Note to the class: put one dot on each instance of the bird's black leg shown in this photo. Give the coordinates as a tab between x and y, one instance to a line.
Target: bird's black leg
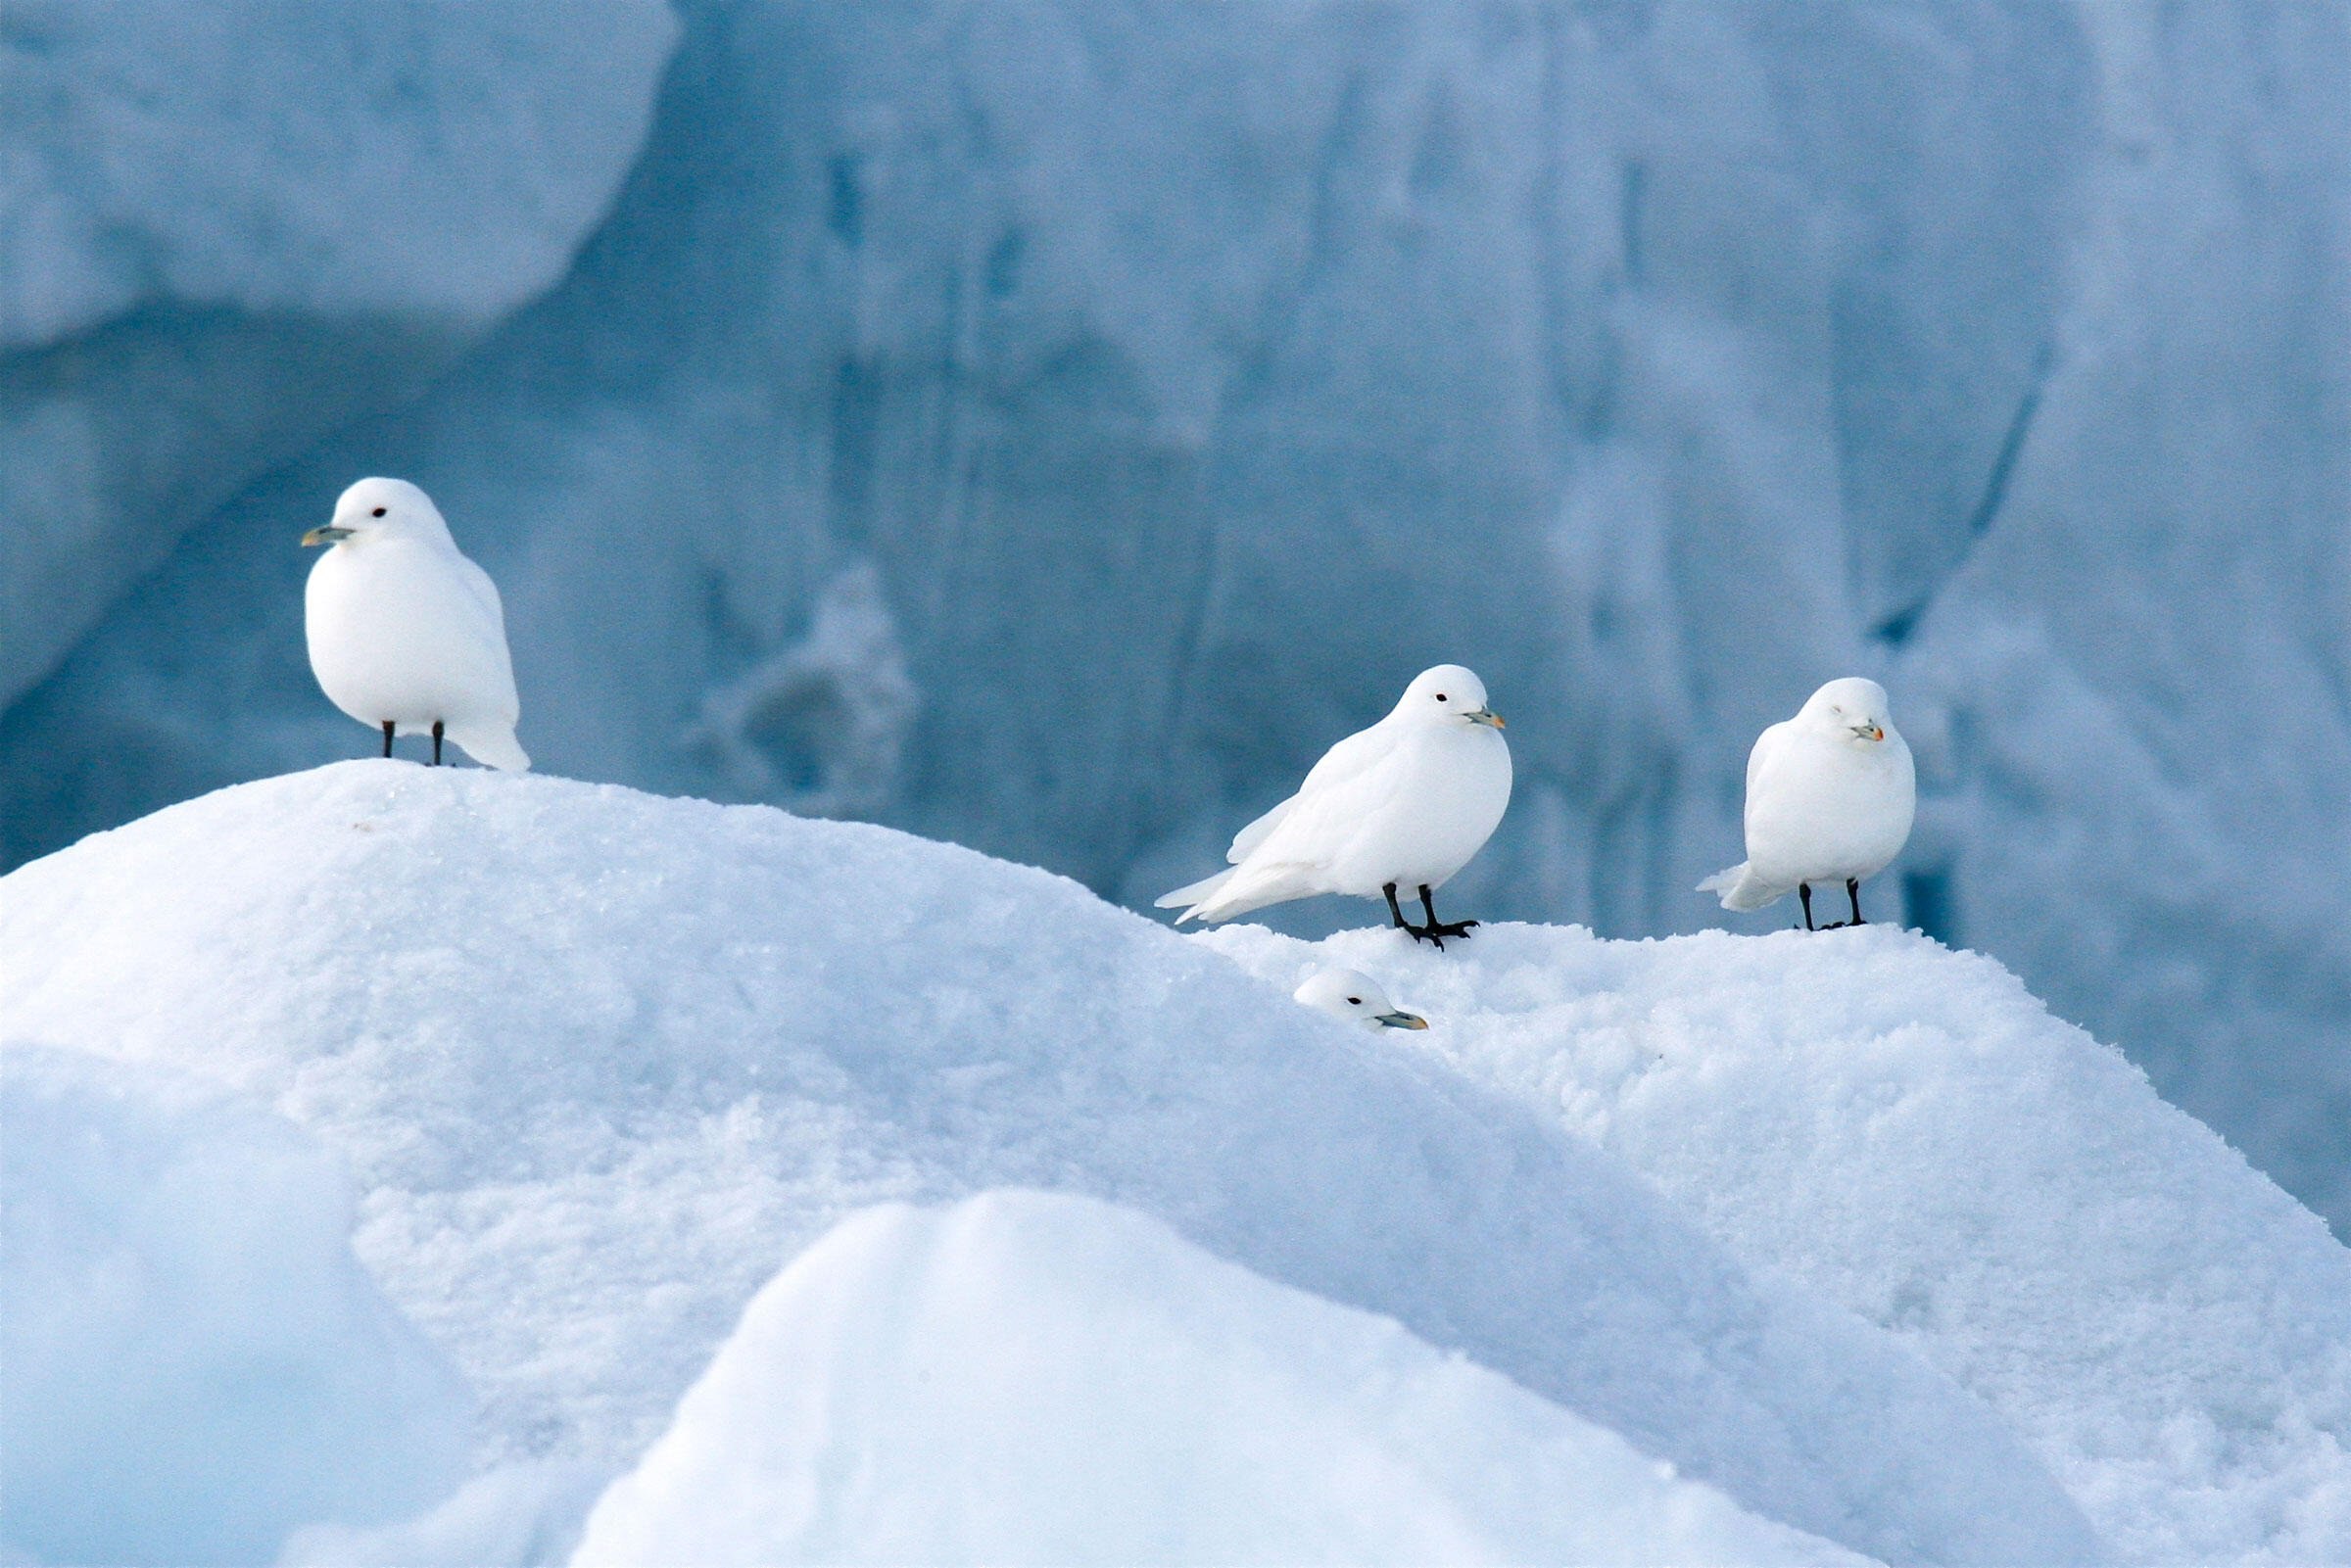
1436	929
1803	891
1402	924
387	737
1852	891
436	743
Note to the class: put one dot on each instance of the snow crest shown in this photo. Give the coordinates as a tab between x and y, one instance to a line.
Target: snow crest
1034	1378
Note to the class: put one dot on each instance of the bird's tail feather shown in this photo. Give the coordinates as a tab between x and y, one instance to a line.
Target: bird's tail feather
1199	892
1237	894
493	745
1741	888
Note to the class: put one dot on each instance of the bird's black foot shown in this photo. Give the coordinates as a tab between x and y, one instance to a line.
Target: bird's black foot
1434	929
436	743
387	737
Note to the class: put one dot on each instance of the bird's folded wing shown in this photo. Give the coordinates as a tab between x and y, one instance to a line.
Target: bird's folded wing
1768	746
484	590
1254	835
1353	755
1328	813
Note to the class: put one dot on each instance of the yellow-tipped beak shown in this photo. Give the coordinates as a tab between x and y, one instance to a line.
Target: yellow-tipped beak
1404	1020
1876	733
1486	715
325	533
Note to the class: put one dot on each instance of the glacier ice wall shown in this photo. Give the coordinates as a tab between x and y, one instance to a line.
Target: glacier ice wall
227	229
1047	426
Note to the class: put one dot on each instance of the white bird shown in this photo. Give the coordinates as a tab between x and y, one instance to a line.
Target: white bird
1830	796
1402	804
1356	996
404	632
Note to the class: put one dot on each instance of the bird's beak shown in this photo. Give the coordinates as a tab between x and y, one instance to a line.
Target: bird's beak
1876	733
1482	716
1402	1020
1869	732
325	533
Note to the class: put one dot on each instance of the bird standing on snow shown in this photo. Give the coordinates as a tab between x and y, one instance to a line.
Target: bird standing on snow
1356	996
407	632
1402	804
1830	794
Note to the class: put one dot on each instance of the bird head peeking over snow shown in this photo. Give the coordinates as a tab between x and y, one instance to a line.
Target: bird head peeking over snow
1446	695
1854	710
1354	995
382	508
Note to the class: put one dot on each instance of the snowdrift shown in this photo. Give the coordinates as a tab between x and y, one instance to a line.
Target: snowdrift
602	1063
1907	1133
194	1362
1035	1378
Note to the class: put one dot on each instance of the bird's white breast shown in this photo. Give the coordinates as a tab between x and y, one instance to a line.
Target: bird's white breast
1426	811
1824	809
398	632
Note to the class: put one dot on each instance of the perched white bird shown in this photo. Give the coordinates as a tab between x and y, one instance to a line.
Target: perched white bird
1352	994
1830	794
1402	804
404	632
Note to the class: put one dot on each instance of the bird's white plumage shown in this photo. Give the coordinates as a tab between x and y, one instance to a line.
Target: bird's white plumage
1408	801
403	626
1357	997
1830	797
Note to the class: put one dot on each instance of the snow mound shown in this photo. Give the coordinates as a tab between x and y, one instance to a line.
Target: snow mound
1033	1378
1910	1133
603	1063
195	1362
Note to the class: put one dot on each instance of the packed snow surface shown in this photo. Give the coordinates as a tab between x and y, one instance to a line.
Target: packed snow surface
194	1362
1909	1133
603	1063
1034	1378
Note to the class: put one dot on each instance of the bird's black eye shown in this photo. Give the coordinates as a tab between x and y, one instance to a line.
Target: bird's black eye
378	512
1354	1001
1440	696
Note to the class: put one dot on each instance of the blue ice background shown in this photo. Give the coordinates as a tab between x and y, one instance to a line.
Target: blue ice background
1047	426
